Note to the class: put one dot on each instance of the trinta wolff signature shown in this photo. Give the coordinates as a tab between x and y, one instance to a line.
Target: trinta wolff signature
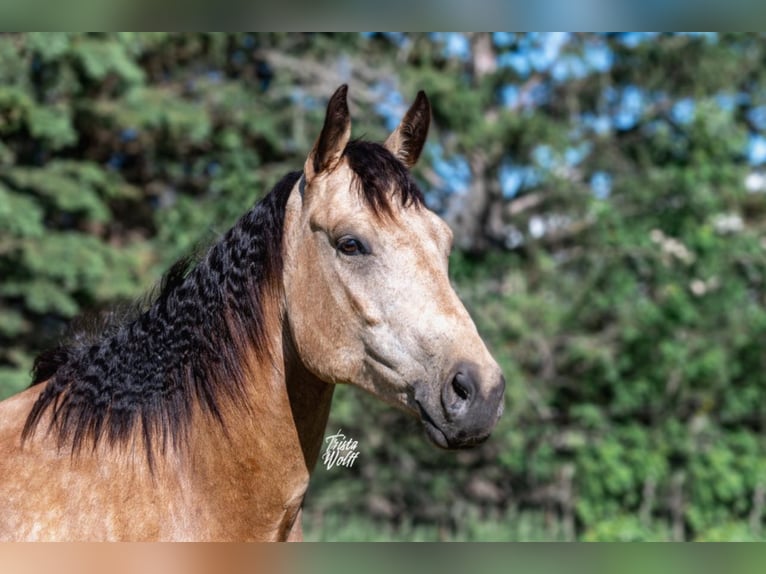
341	451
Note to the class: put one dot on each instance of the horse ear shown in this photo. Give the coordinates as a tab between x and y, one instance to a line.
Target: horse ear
407	140
328	149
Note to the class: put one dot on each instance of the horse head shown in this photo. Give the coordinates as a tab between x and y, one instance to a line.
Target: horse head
368	298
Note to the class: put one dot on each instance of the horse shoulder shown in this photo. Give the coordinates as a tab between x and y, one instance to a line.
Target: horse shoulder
49	494
21	474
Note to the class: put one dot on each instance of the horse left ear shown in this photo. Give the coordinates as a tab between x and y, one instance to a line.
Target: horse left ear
328	149
407	140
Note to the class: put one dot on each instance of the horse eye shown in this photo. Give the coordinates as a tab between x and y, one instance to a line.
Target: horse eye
351	246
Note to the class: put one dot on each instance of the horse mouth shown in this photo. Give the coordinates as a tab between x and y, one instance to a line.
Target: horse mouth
433	431
441	439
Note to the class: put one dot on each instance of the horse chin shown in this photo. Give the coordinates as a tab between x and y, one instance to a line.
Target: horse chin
436	435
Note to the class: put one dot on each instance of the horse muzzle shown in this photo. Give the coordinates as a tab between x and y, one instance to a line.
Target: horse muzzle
463	412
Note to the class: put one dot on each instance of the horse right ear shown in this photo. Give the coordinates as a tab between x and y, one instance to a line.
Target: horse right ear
328	149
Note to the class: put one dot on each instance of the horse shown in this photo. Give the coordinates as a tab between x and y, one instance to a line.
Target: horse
201	415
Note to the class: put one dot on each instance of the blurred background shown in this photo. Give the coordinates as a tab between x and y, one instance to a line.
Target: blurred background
608	198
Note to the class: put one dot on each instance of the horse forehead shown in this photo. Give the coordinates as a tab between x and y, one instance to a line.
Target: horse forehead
421	222
410	225
337	197
340	201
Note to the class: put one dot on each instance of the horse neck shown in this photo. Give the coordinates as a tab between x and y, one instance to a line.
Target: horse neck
271	439
310	401
273	430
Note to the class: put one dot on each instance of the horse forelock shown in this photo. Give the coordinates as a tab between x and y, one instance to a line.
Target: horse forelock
185	347
381	177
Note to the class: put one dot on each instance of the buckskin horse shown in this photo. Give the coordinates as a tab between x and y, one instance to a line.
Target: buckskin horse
201	416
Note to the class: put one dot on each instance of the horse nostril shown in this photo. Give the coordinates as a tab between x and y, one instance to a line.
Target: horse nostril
458	393
463	386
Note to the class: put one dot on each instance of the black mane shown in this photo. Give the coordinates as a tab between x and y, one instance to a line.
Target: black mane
185	348
150	370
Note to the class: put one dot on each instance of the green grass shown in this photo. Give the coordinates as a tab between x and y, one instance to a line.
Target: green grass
528	526
525	526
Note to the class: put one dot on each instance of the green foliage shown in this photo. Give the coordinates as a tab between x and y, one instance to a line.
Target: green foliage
118	154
